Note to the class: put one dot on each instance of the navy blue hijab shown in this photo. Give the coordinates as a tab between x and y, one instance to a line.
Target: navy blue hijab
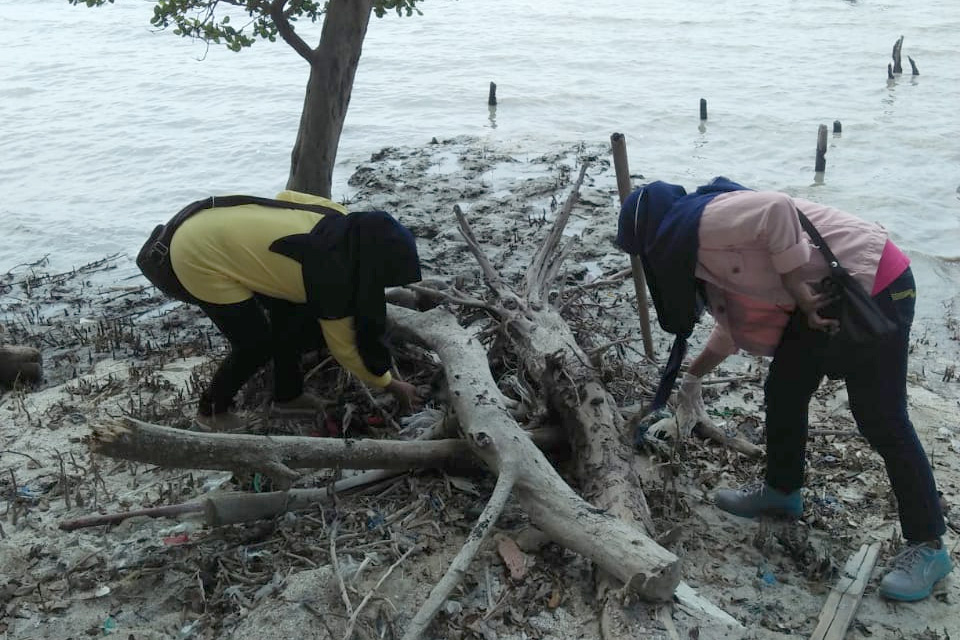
660	222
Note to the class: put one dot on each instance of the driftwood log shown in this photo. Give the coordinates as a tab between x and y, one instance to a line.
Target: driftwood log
19	364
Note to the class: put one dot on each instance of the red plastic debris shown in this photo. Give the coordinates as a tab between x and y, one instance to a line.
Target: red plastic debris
180	538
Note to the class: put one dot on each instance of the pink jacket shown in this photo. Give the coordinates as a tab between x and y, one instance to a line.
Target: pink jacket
749	238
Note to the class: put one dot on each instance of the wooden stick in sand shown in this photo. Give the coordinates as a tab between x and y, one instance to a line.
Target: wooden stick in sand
618	142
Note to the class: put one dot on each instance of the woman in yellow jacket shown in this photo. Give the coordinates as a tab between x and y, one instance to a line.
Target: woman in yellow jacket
265	274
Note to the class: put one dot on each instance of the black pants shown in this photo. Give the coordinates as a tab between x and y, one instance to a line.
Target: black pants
876	381
258	329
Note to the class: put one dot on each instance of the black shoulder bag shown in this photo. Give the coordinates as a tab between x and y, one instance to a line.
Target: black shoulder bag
154	257
862	322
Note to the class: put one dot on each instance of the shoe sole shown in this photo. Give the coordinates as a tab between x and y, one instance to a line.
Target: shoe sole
779	514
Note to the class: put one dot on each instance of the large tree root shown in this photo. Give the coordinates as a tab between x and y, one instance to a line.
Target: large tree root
617	546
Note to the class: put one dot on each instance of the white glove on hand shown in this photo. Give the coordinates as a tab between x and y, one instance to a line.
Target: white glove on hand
690	412
690	408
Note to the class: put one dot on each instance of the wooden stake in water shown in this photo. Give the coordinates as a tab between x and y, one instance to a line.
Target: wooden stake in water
619	145
913	67
492	97
821	164
898	45
703	108
837	128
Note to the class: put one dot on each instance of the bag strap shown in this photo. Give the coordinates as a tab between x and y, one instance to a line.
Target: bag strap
818	240
232	201
235	201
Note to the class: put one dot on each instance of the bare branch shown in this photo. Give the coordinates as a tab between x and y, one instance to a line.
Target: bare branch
493	279
540	267
458	298
458	568
154	444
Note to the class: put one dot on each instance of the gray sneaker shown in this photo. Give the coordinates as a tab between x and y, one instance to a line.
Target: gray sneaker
915	570
226	422
759	499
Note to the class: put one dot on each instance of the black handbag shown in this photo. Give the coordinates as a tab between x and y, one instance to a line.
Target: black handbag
862	321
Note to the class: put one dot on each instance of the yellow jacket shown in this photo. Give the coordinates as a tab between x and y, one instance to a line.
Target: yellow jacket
222	255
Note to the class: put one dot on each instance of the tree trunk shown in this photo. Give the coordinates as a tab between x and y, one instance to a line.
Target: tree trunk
332	70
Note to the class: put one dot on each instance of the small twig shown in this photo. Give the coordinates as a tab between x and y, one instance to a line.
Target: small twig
493	279
489	588
353	618
319	366
13	498
64	482
336	567
541	268
596	351
367	558
603	282
22	454
373	402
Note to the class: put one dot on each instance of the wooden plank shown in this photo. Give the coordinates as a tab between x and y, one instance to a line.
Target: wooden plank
841	605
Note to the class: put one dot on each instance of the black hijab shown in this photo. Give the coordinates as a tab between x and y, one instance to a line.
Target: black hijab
347	262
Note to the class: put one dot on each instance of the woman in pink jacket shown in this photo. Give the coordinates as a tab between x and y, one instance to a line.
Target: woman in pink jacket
744	255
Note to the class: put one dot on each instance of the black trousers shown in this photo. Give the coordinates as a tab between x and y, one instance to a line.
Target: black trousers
259	329
876	380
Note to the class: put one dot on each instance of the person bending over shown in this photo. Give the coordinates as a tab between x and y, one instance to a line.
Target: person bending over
725	244
265	275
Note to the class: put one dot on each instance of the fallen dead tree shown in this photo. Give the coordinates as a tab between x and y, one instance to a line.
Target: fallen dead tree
607	468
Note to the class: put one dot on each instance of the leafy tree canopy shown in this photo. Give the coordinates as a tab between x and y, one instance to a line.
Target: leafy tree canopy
210	20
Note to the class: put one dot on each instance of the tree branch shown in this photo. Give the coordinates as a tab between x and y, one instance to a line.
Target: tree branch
458	568
493	279
154	444
540	270
285	29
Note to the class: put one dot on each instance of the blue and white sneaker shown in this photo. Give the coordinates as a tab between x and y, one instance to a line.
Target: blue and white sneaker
915	570
759	499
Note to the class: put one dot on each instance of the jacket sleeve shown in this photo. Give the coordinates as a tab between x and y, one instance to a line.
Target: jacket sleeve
341	338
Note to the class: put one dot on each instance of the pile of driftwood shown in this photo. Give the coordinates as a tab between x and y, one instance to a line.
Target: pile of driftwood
606	519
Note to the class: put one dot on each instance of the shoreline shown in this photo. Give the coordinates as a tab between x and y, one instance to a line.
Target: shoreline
113	346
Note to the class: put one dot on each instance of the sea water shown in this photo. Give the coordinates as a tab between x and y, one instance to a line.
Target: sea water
108	126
